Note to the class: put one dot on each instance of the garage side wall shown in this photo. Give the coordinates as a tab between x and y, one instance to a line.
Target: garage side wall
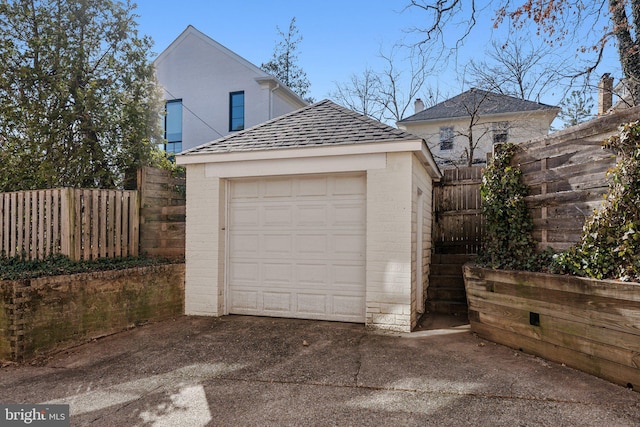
388	270
204	280
421	183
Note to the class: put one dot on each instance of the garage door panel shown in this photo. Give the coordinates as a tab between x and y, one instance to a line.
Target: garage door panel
350	185
280	302
244	216
276	216
311	215
348	214
277	187
297	247
277	274
345	305
244	245
312	245
308	303
242	190
345	275
245	300
277	244
347	245
244	272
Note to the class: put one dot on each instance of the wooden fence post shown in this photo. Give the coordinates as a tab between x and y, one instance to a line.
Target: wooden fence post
68	223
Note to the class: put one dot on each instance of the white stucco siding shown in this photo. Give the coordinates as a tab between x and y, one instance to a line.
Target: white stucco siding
205	241
421	183
389	244
203	74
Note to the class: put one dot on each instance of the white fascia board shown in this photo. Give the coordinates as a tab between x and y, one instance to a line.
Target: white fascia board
303	152
432	167
296	166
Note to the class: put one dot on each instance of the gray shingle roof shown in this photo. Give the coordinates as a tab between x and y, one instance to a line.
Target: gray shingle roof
323	123
486	103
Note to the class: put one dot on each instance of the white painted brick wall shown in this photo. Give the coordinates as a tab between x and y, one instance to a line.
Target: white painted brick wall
421	180
204	241
388	268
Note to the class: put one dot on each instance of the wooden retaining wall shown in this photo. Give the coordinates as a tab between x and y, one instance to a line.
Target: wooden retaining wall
566	175
591	325
162	213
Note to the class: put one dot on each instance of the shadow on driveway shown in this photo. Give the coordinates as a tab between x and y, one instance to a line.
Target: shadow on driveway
237	370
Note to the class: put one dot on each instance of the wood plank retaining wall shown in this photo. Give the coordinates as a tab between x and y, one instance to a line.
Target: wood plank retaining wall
591	325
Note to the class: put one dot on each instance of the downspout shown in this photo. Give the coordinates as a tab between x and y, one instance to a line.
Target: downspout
271	100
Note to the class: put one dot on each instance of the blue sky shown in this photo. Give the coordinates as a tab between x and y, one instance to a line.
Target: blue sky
339	37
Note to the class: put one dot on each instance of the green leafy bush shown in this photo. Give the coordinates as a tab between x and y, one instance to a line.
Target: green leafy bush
610	244
508	241
20	268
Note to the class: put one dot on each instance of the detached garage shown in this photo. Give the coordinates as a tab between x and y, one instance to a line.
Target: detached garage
318	214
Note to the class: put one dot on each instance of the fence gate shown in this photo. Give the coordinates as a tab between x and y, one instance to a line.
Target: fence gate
458	230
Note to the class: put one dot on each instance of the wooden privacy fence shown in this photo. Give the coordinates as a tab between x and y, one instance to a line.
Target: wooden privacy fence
566	175
82	224
459	225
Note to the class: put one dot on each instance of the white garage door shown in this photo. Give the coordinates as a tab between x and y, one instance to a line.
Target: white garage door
297	247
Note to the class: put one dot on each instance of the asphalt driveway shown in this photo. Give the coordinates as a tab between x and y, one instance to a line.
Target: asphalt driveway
236	370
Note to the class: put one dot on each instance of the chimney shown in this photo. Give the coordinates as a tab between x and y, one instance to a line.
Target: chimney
605	94
418	105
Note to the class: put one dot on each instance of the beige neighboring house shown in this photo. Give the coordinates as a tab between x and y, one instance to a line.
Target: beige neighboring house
489	118
321	213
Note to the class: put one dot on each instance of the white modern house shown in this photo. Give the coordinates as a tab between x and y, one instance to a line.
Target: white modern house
211	92
321	213
488	118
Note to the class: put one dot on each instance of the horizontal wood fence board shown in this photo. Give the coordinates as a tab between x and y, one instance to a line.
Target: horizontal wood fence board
162	213
573	284
553	331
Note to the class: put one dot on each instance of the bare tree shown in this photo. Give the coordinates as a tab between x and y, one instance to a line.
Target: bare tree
519	69
591	25
361	94
388	94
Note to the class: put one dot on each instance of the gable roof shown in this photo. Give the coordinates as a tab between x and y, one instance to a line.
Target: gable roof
261	75
486	103
321	124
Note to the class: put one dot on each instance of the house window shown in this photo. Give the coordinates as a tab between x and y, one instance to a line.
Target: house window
236	111
500	132
173	126
446	138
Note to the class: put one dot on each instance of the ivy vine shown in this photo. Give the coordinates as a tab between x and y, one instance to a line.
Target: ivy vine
508	242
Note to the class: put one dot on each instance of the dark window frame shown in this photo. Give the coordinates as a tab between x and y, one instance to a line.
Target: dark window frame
446	138
232	110
174	142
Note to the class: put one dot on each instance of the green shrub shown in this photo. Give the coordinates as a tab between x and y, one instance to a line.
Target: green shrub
610	244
